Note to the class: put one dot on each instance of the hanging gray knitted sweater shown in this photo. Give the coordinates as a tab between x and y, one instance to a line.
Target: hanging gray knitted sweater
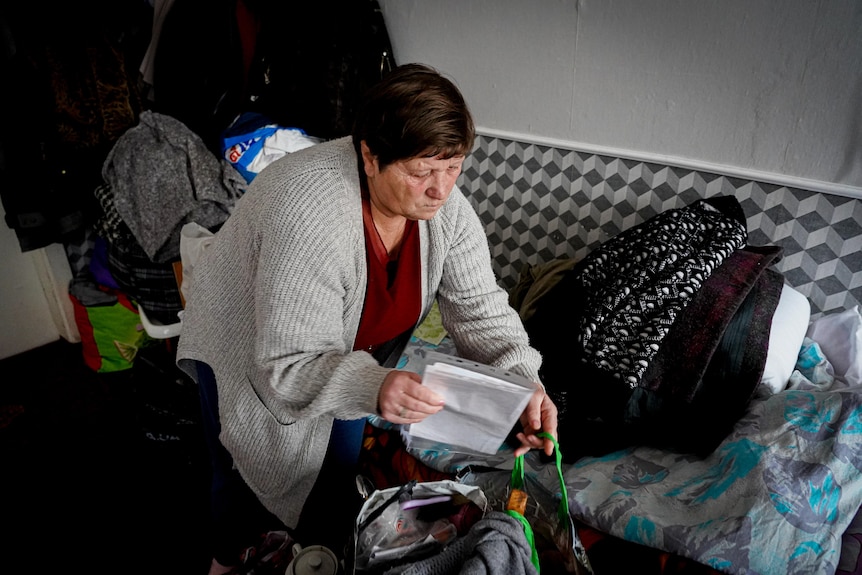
163	176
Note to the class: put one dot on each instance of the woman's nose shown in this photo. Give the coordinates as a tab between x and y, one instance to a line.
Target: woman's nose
440	186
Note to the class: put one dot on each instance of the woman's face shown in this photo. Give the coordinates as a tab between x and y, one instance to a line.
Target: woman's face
415	188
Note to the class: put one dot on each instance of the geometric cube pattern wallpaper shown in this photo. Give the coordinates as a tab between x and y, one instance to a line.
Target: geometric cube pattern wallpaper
539	203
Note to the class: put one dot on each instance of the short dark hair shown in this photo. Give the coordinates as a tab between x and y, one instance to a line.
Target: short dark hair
414	111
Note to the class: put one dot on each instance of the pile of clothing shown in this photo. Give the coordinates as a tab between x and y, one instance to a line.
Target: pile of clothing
666	332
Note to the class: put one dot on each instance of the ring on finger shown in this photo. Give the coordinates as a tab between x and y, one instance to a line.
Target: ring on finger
403	412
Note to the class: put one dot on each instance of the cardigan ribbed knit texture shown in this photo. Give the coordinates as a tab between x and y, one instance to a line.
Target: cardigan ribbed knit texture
275	307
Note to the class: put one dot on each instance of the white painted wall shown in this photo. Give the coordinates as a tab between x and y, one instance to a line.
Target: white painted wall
29	308
766	89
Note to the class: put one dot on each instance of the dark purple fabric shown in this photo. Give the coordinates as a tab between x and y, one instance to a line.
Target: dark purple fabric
99	264
712	360
682	361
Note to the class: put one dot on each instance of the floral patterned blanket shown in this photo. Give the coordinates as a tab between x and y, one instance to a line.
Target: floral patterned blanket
775	497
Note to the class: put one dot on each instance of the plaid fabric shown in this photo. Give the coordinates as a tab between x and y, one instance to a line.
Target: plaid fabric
152	285
79	250
110	224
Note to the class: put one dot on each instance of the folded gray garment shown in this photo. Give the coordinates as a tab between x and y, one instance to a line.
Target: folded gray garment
88	293
495	545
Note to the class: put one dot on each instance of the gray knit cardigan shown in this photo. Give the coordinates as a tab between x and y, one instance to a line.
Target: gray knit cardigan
275	305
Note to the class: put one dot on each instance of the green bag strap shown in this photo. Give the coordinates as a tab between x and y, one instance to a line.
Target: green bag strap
517	482
528	531
518	473
563	509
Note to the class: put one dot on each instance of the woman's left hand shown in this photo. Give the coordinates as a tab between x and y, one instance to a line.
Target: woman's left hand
539	415
403	399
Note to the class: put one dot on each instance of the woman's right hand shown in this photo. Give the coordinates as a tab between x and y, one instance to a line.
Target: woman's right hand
403	399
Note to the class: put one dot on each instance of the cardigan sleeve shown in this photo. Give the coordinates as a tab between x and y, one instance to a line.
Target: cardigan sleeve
474	308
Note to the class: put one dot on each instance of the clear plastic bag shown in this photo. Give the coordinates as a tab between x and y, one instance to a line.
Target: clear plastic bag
410	522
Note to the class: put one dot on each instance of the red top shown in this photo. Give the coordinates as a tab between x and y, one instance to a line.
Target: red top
392	298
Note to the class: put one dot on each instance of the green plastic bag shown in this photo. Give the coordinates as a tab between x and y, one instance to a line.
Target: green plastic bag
111	334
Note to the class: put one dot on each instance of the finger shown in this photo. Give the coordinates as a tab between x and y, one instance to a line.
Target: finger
400	414
524	448
549	417
406	416
530	440
534	410
422	394
531	417
406	409
422	400
527	443
417	409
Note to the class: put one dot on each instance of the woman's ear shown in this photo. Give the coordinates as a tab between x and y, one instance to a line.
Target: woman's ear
369	160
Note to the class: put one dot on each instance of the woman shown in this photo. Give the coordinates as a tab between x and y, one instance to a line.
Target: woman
308	294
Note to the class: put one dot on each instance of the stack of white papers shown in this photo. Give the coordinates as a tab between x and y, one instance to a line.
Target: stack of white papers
482	403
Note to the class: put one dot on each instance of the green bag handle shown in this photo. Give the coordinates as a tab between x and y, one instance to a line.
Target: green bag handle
517	482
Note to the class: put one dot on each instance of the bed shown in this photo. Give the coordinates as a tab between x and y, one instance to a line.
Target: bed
778	492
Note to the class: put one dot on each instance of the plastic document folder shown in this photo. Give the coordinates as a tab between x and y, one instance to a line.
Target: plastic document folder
482	403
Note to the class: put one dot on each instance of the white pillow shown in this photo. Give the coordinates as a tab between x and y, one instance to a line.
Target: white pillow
789	326
840	339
